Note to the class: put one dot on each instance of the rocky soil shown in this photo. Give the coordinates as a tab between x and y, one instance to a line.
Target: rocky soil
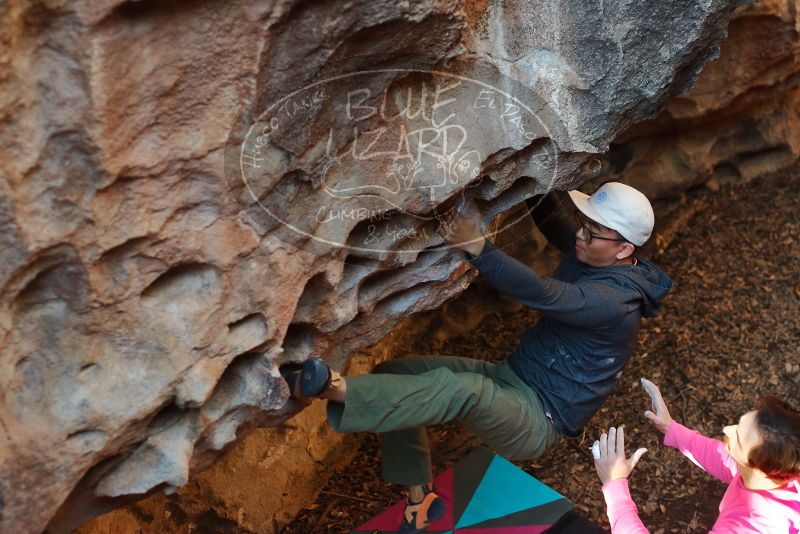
728	333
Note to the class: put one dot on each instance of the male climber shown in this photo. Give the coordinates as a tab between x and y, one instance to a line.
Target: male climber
563	369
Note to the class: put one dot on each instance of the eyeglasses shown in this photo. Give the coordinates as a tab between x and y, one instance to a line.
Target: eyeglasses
591	235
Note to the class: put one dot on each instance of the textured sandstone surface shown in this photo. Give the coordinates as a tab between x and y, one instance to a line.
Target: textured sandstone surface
742	118
152	280
267	477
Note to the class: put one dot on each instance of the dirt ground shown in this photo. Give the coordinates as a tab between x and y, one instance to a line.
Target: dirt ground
728	332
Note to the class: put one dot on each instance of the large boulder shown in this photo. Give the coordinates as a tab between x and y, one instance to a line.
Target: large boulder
741	120
196	192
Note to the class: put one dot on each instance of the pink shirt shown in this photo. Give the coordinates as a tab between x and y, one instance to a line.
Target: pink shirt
741	510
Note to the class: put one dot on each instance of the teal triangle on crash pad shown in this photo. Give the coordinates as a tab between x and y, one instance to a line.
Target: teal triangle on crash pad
503	490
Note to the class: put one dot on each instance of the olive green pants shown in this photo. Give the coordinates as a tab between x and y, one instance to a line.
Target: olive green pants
403	396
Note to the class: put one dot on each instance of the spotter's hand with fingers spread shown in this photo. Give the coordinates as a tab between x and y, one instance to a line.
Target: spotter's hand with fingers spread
658	414
611	463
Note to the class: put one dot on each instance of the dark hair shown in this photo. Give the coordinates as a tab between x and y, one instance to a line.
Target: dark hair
778	455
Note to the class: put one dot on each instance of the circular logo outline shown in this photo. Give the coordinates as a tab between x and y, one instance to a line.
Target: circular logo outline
546	134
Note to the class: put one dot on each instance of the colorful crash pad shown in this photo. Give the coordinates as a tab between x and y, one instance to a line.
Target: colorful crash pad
486	494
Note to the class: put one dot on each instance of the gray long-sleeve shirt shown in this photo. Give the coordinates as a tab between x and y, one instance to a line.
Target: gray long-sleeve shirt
574	354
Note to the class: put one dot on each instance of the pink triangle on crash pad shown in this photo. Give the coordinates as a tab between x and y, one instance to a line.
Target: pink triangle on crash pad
525	529
389	520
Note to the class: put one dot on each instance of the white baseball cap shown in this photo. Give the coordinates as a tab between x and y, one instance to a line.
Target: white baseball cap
619	207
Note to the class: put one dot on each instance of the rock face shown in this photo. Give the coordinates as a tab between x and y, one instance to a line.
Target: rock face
262	482
196	192
742	118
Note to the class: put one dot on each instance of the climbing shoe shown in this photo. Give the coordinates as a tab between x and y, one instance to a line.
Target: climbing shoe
419	515
309	379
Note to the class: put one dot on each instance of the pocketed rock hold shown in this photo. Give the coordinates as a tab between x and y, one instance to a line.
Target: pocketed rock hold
147	297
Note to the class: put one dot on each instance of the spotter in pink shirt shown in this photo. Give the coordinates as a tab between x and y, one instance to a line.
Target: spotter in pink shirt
775	511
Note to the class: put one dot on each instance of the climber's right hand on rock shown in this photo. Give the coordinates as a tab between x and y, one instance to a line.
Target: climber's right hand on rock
658	414
463	230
